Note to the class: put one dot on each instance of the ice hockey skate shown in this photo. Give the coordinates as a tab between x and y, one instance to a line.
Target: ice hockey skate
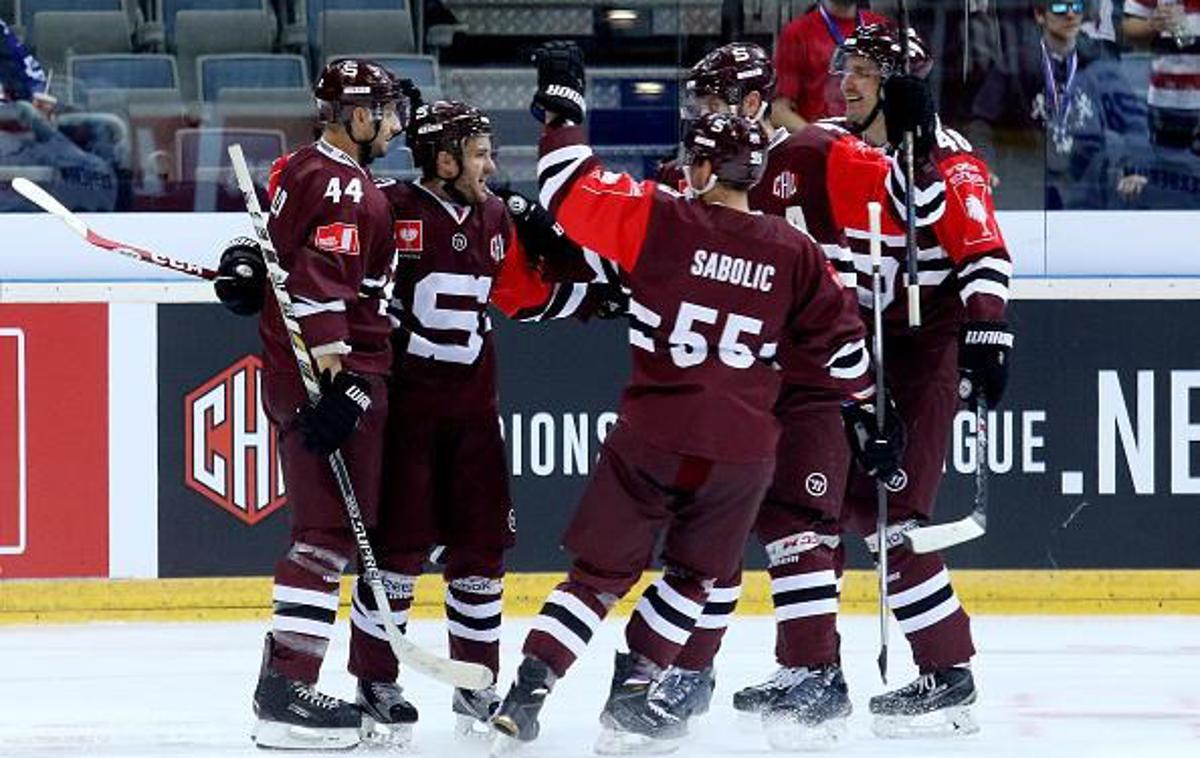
754	699
293	715
684	692
631	723
473	711
811	714
935	704
388	717
516	721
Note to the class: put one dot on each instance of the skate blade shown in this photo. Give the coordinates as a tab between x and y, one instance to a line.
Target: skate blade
397	738
470	729
274	735
947	722
620	742
789	735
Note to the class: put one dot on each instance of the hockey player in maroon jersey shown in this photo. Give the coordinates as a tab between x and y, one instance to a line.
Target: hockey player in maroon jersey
960	352
332	229
718	294
798	523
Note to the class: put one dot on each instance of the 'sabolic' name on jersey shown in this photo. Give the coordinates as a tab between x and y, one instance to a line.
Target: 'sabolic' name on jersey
733	270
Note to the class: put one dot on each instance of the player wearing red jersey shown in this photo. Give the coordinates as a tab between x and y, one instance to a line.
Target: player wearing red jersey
332	229
960	352
718	296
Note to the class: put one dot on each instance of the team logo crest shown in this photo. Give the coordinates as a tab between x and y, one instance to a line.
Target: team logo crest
784	185
971	188
816	484
409	236
458	242
497	248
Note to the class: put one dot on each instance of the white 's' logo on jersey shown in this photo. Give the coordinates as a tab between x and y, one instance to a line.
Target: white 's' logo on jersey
784	185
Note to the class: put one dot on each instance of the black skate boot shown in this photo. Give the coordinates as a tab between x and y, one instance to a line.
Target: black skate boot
756	697
388	717
810	715
683	692
937	703
293	715
631	722
516	719
473	711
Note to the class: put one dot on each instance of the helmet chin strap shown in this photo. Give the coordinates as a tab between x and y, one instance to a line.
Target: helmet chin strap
698	191
450	186
365	152
862	127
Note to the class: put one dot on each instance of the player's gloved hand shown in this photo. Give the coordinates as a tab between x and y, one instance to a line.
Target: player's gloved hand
547	246
983	348
326	425
908	107
561	87
612	301
241	277
878	451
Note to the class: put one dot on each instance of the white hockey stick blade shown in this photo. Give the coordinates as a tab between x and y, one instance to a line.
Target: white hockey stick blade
468	676
44	200
931	539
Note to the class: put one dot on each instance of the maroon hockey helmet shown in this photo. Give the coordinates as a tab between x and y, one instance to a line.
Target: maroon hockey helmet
731	72
881	43
357	83
736	147
444	125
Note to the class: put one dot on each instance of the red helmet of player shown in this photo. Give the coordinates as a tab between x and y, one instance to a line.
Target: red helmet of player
729	74
734	146
881	43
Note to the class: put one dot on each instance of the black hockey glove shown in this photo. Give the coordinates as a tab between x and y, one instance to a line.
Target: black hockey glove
612	301
241	277
983	348
878	452
560	87
326	425
548	247
908	106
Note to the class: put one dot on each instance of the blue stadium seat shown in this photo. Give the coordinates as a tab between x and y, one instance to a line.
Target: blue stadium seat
209	149
124	71
28	8
314	8
168	8
214	72
422	69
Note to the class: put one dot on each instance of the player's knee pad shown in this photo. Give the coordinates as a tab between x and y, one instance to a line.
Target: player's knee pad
319	554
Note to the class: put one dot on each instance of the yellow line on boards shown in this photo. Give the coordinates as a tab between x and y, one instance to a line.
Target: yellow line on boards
1031	592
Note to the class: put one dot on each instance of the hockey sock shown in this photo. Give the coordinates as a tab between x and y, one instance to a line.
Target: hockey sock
663	619
565	625
371	656
804	590
473	619
305	605
924	603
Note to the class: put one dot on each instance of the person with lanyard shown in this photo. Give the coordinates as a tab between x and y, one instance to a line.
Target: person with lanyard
807	91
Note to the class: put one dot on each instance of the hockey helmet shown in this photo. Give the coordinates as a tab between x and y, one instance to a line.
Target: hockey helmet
444	125
357	83
881	43
731	72
735	146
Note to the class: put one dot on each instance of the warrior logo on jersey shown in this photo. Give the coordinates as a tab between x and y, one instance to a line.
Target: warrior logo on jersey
409	236
897	481
337	238
784	185
971	188
816	484
231	452
458	242
497	248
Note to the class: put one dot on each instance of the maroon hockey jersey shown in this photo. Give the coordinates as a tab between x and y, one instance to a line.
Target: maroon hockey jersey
714	293
332	229
452	261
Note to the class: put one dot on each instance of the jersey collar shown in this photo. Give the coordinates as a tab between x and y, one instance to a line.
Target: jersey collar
337	154
457	212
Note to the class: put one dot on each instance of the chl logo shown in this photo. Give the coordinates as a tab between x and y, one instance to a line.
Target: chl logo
784	185
232	454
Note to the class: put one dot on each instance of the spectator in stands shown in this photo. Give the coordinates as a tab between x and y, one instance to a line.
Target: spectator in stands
21	76
1101	26
29	140
807	90
1058	104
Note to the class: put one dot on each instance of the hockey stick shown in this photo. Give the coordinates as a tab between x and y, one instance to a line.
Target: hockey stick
457	673
873	214
912	282
44	200
931	539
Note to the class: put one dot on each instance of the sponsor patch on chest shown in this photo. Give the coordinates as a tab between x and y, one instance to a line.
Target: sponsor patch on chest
409	236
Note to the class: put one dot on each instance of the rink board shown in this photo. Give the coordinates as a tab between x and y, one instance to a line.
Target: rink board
141	452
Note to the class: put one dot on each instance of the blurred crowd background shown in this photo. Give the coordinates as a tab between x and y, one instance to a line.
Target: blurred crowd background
128	105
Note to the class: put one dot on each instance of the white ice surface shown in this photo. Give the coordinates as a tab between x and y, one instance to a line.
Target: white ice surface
1066	686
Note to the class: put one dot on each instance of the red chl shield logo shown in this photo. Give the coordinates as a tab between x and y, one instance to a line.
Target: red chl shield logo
231	451
337	238
409	236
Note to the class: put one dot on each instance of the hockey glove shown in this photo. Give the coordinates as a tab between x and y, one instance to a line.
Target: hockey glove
908	107
560	87
241	277
879	452
983	349
612	301
547	246
326	425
